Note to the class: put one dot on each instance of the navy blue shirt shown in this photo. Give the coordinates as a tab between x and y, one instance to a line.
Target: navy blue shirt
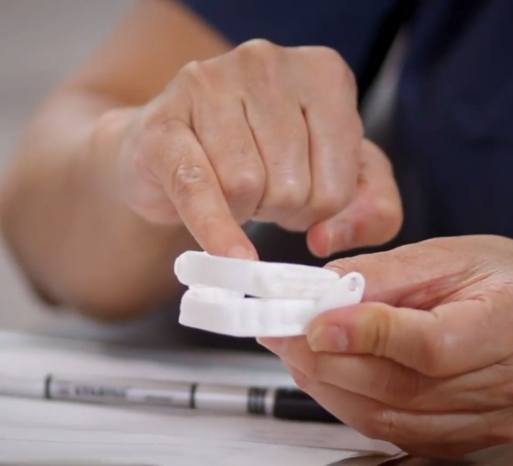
452	128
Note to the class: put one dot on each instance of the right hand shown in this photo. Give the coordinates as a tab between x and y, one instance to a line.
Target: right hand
266	133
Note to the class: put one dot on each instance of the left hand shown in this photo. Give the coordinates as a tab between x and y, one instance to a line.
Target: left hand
426	362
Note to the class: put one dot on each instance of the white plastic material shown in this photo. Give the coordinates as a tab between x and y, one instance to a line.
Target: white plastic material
284	298
254	278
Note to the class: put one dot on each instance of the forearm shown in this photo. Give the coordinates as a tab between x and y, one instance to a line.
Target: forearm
76	240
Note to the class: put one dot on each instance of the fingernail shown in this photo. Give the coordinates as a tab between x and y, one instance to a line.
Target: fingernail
275	345
327	338
240	252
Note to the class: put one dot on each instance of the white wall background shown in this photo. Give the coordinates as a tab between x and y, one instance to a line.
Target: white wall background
40	42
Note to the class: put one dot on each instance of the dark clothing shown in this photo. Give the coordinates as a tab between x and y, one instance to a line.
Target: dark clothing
452	126
454	120
453	123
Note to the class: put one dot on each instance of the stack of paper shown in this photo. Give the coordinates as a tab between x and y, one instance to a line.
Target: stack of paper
69	433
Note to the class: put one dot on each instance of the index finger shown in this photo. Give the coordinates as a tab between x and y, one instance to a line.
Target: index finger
191	183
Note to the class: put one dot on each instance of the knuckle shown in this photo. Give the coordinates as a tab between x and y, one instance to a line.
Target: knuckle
191	69
260	61
244	184
188	179
336	64
193	74
157	121
327	54
290	196
259	48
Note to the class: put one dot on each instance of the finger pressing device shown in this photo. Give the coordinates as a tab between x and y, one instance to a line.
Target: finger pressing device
247	298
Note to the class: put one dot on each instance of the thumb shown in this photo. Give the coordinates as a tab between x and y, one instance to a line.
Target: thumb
419	275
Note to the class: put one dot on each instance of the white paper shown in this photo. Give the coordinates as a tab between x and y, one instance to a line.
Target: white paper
55	431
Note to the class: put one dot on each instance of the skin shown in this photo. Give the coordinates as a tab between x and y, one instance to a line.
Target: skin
426	362
139	156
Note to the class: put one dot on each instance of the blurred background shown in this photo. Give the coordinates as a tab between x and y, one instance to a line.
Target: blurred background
41	41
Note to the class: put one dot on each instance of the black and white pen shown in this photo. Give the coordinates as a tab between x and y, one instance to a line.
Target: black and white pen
282	403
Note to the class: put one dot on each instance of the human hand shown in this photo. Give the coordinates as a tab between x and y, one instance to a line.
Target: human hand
426	362
266	133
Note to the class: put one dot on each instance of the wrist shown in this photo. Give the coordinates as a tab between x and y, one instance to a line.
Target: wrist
141	273
100	159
